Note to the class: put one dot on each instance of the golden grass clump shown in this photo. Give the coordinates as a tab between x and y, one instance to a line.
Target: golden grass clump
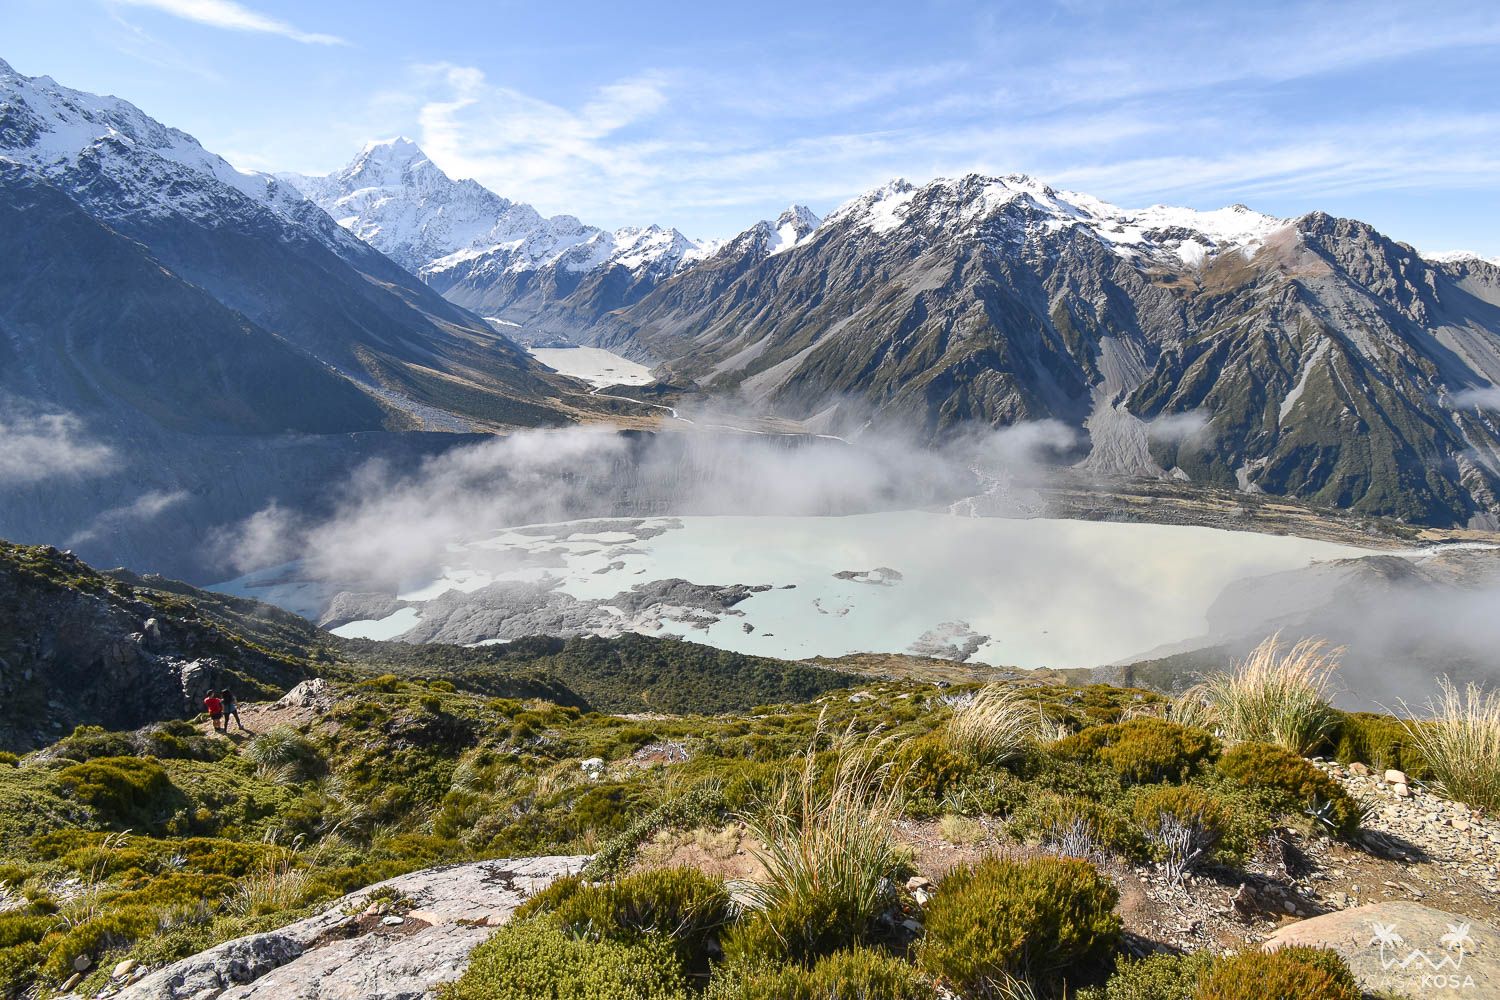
994	725
1461	743
1275	695
829	847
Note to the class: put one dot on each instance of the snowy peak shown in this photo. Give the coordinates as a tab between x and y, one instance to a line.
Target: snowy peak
75	139
1020	206
395	198
769	237
792	227
1461	257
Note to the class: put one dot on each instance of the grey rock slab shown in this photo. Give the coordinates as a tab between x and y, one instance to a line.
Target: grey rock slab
327	956
1405	947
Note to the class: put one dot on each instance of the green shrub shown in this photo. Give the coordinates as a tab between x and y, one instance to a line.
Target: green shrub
1058	819
556	892
124	791
1184	825
858	974
1001	919
1297	973
8	759
1377	740
1289	974
1291	785
930	766
89	742
1142	750
682	905
1159	977
535	960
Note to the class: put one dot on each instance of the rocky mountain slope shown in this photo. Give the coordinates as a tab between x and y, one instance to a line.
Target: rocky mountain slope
1312	357
260	248
210	339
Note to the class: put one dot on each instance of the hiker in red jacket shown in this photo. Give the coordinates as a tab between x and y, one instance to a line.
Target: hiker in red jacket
215	708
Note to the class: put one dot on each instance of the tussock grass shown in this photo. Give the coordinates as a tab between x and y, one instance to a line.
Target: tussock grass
1194	707
1276	695
1461	744
829	846
994	725
284	756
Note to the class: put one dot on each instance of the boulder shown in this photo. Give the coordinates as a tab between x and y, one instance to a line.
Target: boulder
313	694
1405	948
337	956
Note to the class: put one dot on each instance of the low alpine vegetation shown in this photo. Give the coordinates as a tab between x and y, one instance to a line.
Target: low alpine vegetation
1002	920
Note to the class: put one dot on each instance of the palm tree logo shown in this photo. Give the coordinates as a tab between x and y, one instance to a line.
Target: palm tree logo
1457	938
1386	937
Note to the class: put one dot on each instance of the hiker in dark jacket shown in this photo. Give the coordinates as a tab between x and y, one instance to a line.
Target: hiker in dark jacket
232	711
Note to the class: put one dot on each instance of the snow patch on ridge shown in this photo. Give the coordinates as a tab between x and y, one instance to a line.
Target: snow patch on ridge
1182	235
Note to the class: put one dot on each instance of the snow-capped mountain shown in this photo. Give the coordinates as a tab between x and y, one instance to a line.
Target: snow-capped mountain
500	257
253	242
1311	356
1029	207
212	333
119	162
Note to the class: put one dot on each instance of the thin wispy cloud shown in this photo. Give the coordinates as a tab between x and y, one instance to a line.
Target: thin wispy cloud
1377	109
39	446
232	16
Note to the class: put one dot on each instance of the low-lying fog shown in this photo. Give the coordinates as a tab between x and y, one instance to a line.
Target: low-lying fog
844	548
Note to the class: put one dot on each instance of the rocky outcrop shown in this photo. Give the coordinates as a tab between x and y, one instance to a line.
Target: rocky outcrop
397	940
1406	948
121	651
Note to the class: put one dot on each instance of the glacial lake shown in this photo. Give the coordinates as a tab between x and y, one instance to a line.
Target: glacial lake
1018	592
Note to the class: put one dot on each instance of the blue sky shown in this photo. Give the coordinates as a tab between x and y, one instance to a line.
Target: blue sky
708	116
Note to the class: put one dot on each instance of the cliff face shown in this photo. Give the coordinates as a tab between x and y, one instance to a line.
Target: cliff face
80	647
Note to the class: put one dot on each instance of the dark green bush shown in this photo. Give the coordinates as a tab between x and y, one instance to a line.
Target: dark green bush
858	974
1159	977
1000	919
556	892
88	742
124	791
1291	785
1287	974
8	759
930	768
680	904
1048	817
1377	740
800	929
536	960
1142	750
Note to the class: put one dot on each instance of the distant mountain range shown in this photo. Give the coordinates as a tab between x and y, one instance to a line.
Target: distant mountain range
187	313
1311	357
503	259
